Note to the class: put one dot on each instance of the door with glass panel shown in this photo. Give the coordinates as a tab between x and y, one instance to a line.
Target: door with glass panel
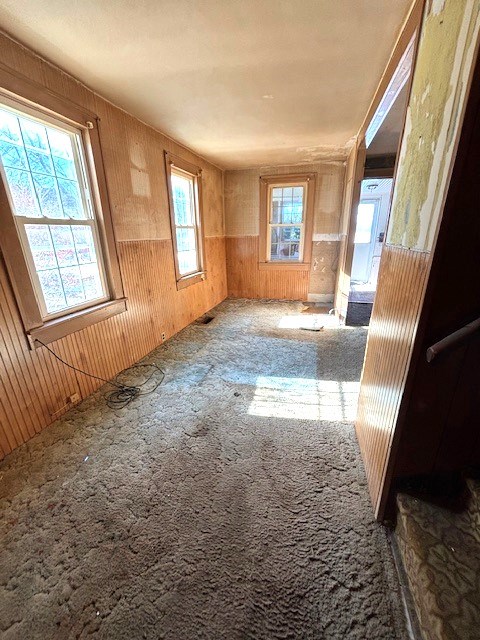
365	239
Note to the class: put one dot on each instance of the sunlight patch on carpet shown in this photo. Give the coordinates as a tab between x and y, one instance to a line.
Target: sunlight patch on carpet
305	399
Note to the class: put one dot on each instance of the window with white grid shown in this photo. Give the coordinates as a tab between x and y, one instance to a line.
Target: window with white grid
184	199
286	222
44	170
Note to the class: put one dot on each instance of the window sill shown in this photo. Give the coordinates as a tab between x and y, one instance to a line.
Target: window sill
284	266
61	327
194	278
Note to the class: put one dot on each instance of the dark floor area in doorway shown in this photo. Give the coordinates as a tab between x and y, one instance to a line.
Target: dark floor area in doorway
229	504
359	314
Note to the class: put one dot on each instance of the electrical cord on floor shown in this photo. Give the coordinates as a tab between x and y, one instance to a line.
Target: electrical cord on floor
123	394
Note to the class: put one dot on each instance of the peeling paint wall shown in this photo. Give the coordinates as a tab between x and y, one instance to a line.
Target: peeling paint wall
242	201
447	47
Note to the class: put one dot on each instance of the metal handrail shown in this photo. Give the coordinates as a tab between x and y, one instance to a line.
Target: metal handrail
452	341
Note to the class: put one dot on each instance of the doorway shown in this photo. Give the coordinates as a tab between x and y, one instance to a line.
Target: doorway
373	209
370	231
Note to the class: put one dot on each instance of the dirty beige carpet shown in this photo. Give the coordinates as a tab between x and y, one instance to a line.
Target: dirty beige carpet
230	504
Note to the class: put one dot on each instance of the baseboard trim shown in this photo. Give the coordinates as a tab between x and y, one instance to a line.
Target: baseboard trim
413	625
320	297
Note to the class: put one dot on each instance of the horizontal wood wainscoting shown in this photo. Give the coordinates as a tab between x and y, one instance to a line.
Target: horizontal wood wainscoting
247	280
393	326
34	386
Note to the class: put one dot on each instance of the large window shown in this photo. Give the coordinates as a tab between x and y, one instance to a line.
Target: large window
185	208
286	217
56	232
44	171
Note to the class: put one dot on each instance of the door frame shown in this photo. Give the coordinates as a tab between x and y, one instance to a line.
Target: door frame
355	165
351	199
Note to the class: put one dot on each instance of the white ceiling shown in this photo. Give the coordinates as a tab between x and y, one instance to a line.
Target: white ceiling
242	82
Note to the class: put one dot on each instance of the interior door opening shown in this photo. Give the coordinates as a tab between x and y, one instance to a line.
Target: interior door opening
382	141
370	232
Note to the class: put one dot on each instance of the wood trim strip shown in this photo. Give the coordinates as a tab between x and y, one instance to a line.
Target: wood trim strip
172	160
61	327
187	281
285	266
286	179
19	86
410	26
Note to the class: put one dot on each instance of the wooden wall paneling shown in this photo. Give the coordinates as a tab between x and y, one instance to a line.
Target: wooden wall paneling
391	334
242	216
439	427
427	155
34	386
246	280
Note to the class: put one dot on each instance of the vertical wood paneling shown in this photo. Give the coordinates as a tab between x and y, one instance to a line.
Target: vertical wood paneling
34	386
392	331
246	280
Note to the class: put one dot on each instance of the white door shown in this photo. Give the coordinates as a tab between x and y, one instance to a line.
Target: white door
365	238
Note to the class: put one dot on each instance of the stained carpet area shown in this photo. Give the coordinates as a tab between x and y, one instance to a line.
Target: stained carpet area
230	504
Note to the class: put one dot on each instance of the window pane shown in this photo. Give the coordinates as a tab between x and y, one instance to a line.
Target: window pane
52	290
186	251
9	128
13	156
39	162
47	155
72	285
64	246
363	233
62	154
92	285
287	205
41	246
48	196
285	243
34	134
84	244
22	193
60	144
71	199
182	194
64	168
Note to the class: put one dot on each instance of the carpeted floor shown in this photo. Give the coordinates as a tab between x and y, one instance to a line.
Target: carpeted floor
230	504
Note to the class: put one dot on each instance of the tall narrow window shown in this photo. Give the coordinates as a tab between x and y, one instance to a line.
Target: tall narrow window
44	171
286	209
287	222
185	212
